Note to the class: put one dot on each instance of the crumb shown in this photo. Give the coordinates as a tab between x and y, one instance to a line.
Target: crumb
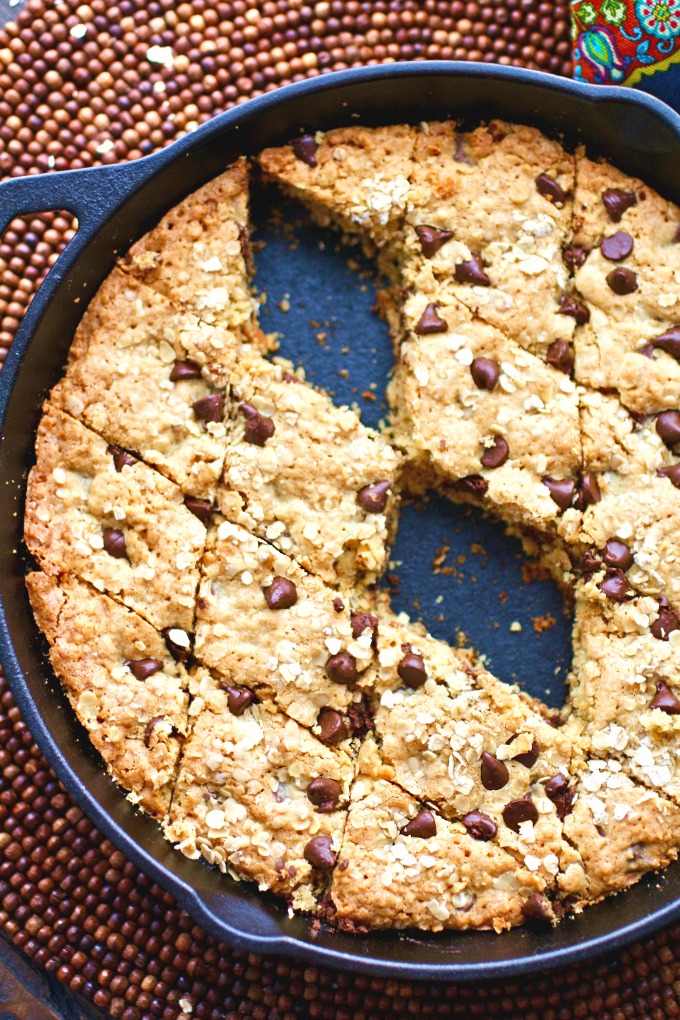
515	627
543	623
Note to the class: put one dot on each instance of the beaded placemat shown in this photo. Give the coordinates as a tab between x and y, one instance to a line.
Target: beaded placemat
89	83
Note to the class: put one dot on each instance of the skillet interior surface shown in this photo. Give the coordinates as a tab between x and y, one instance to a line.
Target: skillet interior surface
115	206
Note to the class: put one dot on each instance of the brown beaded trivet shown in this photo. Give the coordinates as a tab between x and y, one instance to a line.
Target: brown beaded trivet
82	84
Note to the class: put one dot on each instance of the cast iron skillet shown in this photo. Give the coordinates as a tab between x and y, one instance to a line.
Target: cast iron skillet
114	206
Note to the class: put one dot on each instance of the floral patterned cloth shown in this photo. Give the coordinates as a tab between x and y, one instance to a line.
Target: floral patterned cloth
629	42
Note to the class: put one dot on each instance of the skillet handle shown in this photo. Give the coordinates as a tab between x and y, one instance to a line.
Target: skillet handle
92	194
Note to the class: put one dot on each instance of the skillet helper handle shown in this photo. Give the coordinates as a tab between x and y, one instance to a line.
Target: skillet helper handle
92	194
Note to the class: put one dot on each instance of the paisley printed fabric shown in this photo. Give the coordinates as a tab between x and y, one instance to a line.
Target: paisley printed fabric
629	42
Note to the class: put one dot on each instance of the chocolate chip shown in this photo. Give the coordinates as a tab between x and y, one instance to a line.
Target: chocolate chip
666	622
616	202
305	148
537	910
360	720
560	356
430	321
114	543
423	826
665	700
668	342
259	428
495	456
431	239
668	427
210	408
472	272
363	621
474	485
672	473
280	594
561	490
569	305
622	281
238	698
185	370
494	772
589	562
121	458
588	491
617	554
459	154
201	508
550	189
150	727
480	826
324	793
342	668
332	727
320	854
518	811
411	668
178	652
615	586
485	373
617	246
338	605
558	791
142	669
530	757
574	256
373	498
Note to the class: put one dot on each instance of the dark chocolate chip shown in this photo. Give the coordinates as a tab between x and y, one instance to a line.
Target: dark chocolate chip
360	720
622	281
617	247
320	854
209	408
280	594
411	668
668	342
142	669
338	605
537	910
494	772
150	727
495	456
530	757
342	668
569	305
238	698
201	508
558	791
430	321
121	457
550	189
668	427
185	370
423	826
560	356
574	256
178	652
472	272
616	202
332	726
617	554
480	826
589	562
518	811
485	373
324	793
259	428
665	700
114	543
362	622
615	586
666	622
672	473
561	490
588	491
459	154
305	148
373	498
473	485
432	238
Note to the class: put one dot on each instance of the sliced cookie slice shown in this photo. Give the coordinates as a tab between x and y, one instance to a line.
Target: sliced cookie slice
308	476
150	379
402	865
97	513
263	621
259	796
126	689
619	442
